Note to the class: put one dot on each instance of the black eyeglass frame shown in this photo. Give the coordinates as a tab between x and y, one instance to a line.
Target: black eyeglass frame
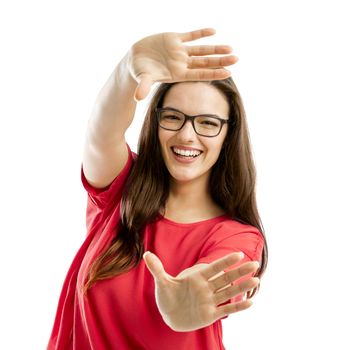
192	118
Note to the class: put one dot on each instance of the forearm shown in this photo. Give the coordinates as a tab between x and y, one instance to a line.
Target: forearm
114	108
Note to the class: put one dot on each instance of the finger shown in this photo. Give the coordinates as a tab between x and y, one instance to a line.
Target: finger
155	266
211	62
232	291
196	34
202	50
221	264
227	309
206	74
232	275
144	87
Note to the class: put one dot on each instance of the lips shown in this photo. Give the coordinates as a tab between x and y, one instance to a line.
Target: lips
185	159
186	148
193	153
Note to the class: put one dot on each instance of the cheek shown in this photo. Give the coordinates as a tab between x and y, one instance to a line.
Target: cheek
161	137
216	145
223	139
164	134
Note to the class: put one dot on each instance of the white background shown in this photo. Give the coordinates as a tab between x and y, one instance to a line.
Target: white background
293	75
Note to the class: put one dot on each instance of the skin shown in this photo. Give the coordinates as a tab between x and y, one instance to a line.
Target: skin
165	58
189	301
189	199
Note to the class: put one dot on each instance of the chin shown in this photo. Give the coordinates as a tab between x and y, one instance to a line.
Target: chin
181	176
187	176
182	179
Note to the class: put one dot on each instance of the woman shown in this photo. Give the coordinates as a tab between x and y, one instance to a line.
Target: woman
187	199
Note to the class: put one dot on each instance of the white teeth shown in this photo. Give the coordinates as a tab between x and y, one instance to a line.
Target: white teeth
186	153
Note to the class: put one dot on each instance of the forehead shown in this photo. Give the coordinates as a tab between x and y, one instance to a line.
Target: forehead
196	98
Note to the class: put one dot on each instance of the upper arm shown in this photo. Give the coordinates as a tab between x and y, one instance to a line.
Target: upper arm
103	163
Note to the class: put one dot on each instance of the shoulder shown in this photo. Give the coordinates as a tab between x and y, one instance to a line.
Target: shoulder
231	235
231	227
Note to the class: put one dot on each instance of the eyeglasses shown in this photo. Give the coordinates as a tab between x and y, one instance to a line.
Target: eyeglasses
207	125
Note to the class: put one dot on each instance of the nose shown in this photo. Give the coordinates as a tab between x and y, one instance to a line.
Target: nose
187	132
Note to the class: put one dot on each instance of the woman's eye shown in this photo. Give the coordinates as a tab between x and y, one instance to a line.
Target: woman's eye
172	117
207	122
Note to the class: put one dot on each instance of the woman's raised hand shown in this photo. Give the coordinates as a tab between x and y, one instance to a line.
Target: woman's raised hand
164	58
191	300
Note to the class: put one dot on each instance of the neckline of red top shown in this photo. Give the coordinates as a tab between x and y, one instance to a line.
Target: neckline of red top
217	218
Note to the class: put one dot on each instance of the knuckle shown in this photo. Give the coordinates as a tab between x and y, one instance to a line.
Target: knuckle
213	286
227	278
228	292
241	287
217	268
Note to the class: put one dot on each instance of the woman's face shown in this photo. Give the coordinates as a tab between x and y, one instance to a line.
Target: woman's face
193	98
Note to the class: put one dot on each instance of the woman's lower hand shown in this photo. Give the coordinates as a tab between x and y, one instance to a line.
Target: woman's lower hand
164	58
190	300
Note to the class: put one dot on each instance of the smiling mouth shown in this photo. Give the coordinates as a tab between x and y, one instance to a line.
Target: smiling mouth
186	154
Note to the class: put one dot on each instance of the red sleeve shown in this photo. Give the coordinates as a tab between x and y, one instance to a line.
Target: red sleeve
101	198
230	238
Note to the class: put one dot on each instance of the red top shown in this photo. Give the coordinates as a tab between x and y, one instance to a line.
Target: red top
121	312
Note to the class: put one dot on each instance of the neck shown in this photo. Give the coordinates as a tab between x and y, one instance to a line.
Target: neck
190	199
189	192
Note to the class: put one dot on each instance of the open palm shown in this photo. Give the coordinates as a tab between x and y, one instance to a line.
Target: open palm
164	58
190	300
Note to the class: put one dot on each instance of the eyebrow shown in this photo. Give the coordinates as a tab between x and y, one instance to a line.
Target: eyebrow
204	114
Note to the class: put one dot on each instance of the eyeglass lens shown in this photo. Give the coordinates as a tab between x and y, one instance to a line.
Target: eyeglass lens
204	125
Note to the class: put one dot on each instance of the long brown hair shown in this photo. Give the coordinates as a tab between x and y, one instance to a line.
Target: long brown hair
232	186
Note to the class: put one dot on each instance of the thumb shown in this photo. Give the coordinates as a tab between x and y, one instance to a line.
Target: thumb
144	87
155	266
